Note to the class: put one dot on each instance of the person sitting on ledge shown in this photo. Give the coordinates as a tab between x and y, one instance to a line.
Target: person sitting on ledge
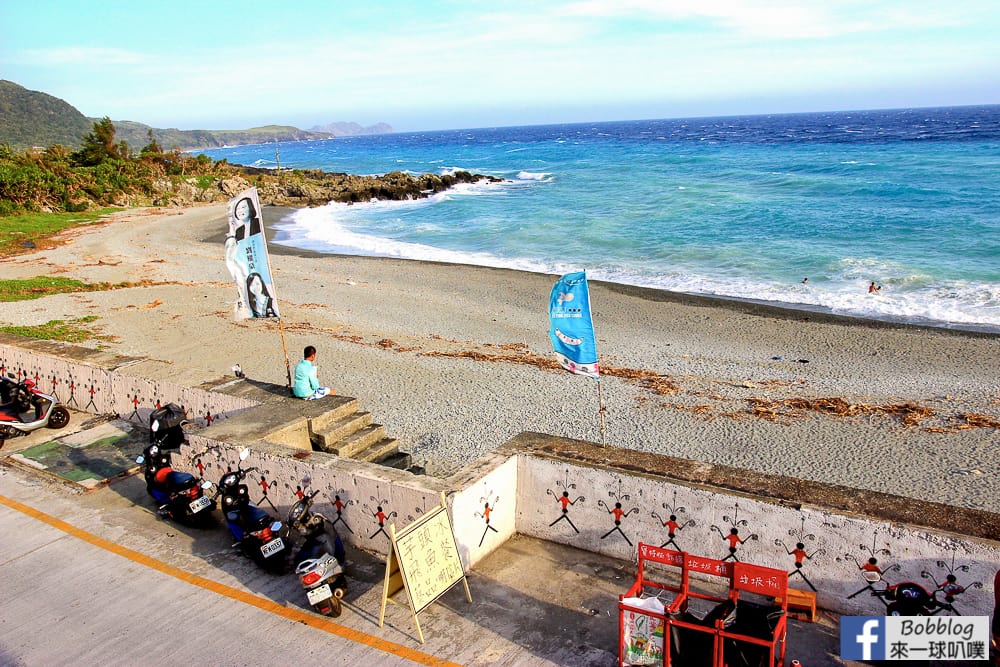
306	383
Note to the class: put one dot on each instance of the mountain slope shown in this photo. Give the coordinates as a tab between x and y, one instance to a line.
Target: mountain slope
30	118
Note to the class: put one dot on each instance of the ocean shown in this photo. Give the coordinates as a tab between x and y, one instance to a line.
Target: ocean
738	207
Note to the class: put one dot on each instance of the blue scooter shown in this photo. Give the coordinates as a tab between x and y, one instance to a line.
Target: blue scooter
259	536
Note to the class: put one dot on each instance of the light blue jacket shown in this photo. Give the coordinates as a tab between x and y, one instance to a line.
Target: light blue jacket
306	380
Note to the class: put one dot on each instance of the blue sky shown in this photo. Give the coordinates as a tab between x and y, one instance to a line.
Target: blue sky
425	65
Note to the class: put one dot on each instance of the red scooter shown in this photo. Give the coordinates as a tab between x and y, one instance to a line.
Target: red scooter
26	408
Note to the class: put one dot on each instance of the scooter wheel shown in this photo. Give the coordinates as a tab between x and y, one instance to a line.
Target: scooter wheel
331	607
59	417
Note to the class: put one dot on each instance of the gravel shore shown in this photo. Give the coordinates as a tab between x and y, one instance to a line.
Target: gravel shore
455	360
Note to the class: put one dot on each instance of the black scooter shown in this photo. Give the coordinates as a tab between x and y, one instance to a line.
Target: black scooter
180	495
259	536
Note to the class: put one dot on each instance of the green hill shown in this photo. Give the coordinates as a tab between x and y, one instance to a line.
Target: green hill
137	136
29	118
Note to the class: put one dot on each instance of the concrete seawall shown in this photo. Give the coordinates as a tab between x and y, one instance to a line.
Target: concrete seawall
567	491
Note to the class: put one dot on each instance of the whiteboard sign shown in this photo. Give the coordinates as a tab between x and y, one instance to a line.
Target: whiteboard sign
428	558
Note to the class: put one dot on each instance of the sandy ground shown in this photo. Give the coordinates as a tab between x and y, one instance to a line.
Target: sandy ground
455	360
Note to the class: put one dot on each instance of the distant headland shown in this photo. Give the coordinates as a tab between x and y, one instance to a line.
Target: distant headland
35	119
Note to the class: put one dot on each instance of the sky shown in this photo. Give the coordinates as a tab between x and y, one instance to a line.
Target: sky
430	65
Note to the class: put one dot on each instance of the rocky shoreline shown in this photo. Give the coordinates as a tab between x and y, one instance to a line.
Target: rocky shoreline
310	187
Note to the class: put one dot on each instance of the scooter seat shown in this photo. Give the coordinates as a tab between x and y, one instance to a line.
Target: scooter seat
253	517
177	479
9	413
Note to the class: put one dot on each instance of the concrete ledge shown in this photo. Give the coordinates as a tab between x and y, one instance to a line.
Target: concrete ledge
273	417
97	358
785	490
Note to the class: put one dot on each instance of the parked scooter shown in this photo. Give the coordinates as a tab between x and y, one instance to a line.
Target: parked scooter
907	598
181	496
259	536
26	408
321	558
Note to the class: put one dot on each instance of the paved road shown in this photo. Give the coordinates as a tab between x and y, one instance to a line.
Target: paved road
97	578
72	596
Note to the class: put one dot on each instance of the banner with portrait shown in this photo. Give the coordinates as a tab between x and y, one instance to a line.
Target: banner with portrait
246	258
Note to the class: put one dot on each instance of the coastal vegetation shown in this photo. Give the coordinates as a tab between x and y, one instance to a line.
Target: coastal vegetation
106	172
29	231
39	286
63	331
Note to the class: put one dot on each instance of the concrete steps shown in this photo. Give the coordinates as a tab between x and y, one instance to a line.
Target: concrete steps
351	433
334	424
327	438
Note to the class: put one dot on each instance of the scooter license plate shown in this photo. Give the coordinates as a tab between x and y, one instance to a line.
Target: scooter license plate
272	547
320	594
200	504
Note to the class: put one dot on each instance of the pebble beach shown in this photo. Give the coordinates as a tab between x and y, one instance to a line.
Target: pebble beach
455	360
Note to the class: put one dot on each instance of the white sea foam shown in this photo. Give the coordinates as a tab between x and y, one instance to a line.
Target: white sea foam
914	298
534	176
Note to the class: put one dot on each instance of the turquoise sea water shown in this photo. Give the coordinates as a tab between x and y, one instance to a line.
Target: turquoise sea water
742	208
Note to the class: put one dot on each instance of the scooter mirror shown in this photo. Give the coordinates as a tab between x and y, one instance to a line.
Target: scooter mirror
155	426
244	454
276	526
140	459
206	485
871	576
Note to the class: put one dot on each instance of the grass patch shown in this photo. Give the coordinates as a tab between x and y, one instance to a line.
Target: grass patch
32	230
35	288
59	330
39	286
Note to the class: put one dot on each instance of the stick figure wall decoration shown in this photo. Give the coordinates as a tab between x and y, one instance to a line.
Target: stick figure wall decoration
671	523
485	515
871	565
339	505
91	390
949	584
733	537
799	552
379	514
564	500
617	511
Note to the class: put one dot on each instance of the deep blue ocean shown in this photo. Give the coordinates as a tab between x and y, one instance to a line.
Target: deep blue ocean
737	207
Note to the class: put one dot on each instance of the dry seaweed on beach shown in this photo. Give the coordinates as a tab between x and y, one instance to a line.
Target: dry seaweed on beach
524	358
701	410
909	414
977	420
650	380
966	421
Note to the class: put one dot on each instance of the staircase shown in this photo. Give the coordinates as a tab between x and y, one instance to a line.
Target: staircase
349	432
333	424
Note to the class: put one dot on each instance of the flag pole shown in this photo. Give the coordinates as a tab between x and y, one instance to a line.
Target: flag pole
600	410
284	348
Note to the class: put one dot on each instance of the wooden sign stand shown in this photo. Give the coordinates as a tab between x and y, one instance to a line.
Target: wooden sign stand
423	560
